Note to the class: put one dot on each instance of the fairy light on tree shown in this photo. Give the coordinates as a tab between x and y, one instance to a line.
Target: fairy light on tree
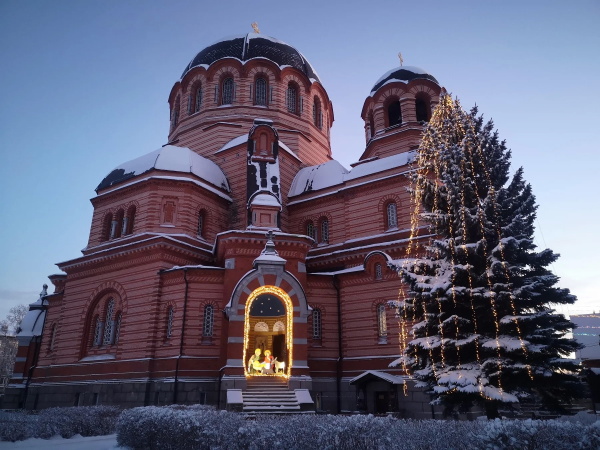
478	294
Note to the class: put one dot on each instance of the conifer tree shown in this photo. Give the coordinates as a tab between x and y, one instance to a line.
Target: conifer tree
480	294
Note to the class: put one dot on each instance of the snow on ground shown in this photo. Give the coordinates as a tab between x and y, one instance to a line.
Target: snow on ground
108	442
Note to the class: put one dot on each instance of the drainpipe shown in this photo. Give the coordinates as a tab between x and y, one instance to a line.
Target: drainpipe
336	285
185	301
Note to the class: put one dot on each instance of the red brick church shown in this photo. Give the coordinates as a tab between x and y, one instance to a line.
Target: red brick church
241	234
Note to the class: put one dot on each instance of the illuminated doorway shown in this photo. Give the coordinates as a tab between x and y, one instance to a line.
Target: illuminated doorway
268	326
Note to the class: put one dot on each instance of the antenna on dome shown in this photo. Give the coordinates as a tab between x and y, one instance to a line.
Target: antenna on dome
401	59
255	27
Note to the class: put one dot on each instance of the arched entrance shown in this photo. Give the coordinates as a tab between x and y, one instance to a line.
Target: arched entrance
268	325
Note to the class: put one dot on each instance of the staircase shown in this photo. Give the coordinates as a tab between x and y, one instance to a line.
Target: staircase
270	395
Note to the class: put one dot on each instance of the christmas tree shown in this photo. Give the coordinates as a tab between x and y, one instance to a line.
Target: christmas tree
479	294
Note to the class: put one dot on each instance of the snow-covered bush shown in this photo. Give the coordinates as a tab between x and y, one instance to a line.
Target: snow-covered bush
177	427
539	434
66	422
194	428
17	426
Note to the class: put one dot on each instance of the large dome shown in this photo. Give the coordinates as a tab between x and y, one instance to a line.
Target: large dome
403	74
250	46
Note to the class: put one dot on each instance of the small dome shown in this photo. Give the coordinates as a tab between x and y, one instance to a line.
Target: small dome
169	158
403	74
265	199
250	46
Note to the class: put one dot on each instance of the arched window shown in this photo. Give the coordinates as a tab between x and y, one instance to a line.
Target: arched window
391	216
98	327
198	102
106	227
175	113
371	125
381	323
170	317
325	231
316	324
260	91
105	323
378	272
227	91
118	229
109	324
317	113
207	329
118	326
394	114
310	230
261	326
292	99
421	109
129	220
201	223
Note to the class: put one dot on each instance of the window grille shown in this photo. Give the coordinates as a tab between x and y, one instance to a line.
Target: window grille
381	321
325	231
392	216
310	230
292	99
317	114
378	272
316	325
110	324
208	321
130	220
170	316
198	99
260	92
98	332
201	223
227	93
118	327
189	105
175	114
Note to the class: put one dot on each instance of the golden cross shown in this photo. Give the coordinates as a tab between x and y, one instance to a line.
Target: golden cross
401	59
255	27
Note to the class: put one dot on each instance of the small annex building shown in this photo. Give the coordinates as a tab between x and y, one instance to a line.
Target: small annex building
241	234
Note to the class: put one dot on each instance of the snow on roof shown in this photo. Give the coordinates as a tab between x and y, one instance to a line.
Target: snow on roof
32	323
317	177
264	199
393	379
333	173
338	272
412	69
168	158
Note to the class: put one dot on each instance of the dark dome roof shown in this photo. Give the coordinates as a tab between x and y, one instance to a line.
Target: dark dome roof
254	45
403	74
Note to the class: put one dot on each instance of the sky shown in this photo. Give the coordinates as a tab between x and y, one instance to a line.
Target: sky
84	87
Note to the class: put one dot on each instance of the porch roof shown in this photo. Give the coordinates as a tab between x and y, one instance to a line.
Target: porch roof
374	375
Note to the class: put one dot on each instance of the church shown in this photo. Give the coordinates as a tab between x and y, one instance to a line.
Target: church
241	258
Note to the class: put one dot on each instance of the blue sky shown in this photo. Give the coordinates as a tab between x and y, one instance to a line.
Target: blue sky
84	87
